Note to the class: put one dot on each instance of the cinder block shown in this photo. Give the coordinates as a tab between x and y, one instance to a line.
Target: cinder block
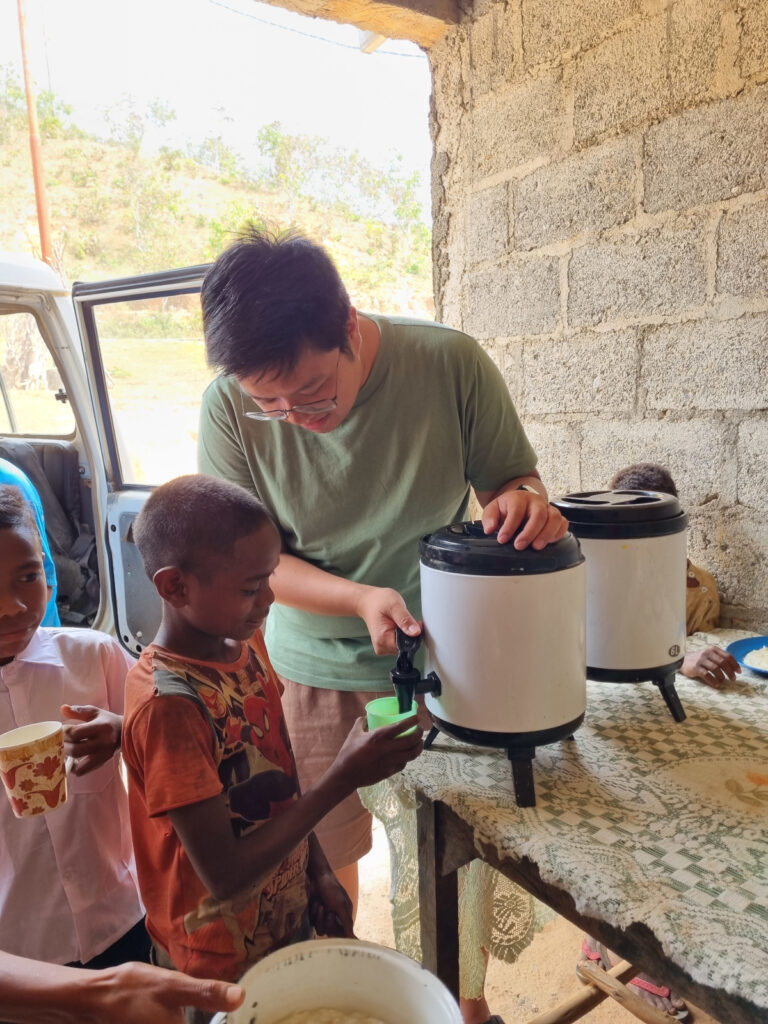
557	446
734	616
589	191
742	252
451	75
754	39
481	39
496	57
509	359
518	124
703	536
752	458
518	297
708	154
585	372
694	49
692	450
709	364
508	44
623	82
487	223
734	548
658	272
551	29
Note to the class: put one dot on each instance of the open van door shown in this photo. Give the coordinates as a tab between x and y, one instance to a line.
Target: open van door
47	430
145	362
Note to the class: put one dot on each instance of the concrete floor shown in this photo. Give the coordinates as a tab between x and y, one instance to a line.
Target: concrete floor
541	979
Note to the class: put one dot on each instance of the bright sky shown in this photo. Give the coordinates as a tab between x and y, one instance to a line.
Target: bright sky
227	67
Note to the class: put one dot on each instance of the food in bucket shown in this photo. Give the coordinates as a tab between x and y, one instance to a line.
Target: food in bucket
757	658
329	1016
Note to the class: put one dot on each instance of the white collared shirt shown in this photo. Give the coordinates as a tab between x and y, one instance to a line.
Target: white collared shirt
67	878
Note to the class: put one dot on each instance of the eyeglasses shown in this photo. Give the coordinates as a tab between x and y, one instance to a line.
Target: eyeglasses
305	409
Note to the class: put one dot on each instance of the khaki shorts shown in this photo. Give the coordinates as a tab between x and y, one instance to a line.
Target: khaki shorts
318	723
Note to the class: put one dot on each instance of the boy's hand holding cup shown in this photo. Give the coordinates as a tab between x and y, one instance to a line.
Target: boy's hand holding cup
91	736
368	756
33	768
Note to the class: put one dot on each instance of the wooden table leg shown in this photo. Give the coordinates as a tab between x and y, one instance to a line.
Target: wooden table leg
438	904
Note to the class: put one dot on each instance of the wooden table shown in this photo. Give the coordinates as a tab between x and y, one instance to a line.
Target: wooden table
675	814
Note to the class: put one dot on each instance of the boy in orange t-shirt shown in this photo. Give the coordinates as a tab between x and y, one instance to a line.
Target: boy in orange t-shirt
229	868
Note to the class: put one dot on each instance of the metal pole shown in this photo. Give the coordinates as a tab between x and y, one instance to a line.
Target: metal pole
41	196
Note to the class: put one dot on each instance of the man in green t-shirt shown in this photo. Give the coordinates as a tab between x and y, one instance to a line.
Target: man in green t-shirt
360	434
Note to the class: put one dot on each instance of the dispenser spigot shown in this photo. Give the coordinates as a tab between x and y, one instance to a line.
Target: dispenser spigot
406	679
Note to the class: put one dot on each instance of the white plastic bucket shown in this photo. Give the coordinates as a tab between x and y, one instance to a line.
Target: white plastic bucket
342	974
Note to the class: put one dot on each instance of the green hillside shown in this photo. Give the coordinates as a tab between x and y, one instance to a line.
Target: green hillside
116	210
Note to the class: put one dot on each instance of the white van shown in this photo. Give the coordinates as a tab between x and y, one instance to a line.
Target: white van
100	390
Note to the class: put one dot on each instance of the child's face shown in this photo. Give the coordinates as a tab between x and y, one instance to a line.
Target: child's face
232	600
24	594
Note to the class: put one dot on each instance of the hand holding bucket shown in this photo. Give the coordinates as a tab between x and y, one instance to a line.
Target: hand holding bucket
33	768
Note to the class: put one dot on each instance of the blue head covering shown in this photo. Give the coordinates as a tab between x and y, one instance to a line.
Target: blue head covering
10	474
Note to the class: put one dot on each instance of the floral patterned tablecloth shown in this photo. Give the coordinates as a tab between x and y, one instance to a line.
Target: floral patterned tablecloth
639	819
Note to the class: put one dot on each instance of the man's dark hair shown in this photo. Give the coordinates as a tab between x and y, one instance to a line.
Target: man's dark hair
644	476
15	510
189	521
269	297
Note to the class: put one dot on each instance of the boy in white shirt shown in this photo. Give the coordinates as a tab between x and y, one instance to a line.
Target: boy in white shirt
68	892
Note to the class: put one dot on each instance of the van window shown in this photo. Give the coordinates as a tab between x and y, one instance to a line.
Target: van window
31	391
155	373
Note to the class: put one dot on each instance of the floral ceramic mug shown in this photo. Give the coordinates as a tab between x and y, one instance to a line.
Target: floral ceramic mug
33	768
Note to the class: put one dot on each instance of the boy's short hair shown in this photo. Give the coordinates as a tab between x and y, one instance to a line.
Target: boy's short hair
15	510
268	298
187	520
644	476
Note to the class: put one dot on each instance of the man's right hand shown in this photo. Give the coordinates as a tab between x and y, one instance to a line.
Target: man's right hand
382	610
368	757
155	996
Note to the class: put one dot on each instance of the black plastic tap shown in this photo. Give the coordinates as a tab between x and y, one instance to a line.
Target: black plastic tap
406	679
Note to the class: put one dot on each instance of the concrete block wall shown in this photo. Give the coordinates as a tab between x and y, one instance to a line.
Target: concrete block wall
600	192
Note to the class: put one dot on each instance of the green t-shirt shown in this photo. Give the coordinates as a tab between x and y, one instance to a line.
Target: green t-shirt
433	417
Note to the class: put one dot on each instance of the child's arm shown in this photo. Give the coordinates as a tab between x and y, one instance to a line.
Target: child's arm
40	993
226	864
713	666
330	908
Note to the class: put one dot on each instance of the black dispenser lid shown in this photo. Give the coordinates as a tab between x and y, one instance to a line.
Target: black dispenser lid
623	513
464	548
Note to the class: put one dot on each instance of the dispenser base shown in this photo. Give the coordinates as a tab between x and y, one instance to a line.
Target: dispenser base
662	676
520	748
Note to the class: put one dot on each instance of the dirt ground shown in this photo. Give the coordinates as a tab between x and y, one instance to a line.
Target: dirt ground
541	979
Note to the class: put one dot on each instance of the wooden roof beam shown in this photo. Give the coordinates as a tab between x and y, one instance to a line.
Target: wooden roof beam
421	21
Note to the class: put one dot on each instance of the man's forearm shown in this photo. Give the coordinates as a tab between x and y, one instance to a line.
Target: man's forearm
301	585
42	993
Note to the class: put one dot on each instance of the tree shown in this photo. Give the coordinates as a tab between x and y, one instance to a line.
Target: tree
126	124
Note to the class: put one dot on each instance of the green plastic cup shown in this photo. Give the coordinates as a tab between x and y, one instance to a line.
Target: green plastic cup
384	711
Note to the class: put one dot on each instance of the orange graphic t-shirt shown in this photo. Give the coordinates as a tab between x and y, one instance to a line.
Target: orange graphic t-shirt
193	730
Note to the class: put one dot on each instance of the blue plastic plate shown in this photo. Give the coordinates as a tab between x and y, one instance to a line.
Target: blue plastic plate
741	647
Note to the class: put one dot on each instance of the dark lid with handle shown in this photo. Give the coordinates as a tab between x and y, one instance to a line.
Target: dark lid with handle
465	548
622	514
